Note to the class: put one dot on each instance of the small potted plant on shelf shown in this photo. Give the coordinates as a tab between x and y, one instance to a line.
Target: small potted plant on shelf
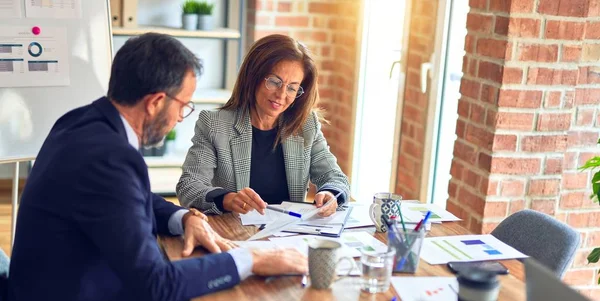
170	141
189	17
205	18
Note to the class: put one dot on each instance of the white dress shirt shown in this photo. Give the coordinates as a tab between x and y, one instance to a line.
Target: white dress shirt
242	257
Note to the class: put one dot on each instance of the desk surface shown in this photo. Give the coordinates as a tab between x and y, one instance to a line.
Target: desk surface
289	288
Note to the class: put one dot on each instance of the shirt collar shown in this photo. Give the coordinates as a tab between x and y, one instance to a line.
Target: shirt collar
131	135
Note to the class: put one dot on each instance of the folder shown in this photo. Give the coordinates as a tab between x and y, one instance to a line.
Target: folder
129	13
115	12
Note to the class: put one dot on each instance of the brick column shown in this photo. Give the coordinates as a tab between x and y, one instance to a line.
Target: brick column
528	117
329	29
414	111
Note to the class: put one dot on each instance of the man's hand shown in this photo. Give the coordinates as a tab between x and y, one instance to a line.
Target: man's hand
197	232
321	198
279	262
244	201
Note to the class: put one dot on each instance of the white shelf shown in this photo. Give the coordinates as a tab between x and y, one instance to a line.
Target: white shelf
211	96
164	180
169	160
217	33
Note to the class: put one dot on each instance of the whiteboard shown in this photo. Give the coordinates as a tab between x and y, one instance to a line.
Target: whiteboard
28	113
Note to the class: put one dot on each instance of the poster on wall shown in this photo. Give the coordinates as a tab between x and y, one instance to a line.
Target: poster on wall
10	9
54	9
33	56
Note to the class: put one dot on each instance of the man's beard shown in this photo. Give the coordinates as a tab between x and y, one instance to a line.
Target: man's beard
153	131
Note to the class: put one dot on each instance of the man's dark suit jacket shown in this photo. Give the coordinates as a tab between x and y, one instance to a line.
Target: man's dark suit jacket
87	222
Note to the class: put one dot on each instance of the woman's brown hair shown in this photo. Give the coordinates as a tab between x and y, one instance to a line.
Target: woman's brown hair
259	62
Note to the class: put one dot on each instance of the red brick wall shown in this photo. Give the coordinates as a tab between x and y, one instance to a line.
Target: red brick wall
528	117
329	29
414	114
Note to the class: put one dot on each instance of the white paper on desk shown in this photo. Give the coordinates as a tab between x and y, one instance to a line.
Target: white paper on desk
275	227
359	217
437	214
284	234
301	242
64	9
362	240
256	244
412	226
443	249
10	9
255	218
426	288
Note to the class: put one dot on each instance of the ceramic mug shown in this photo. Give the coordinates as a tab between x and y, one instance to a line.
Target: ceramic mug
322	262
385	205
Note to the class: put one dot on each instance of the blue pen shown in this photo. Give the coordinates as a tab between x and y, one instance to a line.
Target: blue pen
423	221
394	299
294	214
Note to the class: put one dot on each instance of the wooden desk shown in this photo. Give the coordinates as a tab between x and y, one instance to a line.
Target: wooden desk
289	288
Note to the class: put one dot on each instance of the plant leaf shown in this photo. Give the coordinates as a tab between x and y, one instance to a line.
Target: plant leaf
594	256
591	163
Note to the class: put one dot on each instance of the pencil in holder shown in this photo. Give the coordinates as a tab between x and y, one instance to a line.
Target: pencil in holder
408	248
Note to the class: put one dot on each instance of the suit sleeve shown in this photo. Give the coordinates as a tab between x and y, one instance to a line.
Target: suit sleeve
195	188
116	216
325	173
163	210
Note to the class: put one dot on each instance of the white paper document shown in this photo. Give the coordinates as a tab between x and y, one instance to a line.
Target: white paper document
55	9
444	249
352	243
10	9
27	59
437	214
426	288
359	217
300	243
275	227
255	218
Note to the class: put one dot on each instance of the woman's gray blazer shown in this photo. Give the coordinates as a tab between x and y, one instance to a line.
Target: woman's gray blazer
220	158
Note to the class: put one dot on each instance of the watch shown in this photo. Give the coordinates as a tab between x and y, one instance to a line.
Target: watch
197	212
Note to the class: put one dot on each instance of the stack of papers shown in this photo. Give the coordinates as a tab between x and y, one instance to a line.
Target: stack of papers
310	223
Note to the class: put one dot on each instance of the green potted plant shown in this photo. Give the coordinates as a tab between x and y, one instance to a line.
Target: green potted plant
593	164
205	18
189	16
169	145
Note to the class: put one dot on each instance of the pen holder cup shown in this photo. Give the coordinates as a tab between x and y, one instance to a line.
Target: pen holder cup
408	249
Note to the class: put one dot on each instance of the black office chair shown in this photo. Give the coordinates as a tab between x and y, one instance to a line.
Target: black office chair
540	236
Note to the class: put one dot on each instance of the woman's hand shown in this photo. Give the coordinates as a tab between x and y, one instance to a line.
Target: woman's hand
321	198
244	201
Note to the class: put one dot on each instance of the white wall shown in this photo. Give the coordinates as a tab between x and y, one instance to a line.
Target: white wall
168	13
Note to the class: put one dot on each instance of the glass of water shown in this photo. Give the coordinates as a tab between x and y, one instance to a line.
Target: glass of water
376	270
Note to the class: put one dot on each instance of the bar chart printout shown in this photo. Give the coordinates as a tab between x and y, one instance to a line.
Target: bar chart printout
444	249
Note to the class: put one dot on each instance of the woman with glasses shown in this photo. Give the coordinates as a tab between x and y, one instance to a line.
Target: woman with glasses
265	144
